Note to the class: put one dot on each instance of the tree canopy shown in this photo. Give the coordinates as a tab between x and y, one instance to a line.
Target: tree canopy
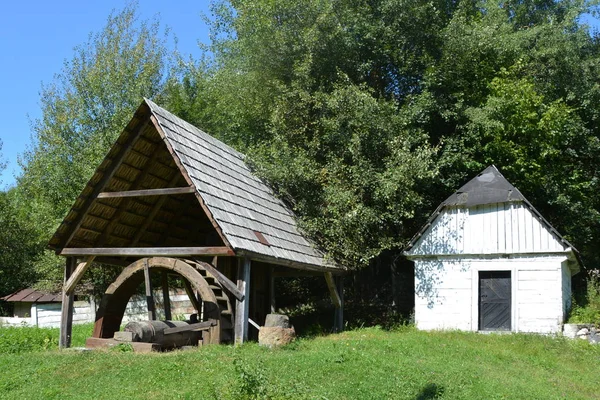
362	114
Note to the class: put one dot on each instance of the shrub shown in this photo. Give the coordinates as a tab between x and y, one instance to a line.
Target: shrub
588	309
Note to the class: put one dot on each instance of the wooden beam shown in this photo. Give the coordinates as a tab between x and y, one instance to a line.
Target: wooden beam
338	316
149	297
335	297
77	275
222	279
147	251
66	314
165	293
199	326
192	296
292	264
155	209
107	174
146	192
242	307
272	290
254	324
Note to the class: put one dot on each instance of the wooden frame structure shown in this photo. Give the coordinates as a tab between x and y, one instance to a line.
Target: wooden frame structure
167	189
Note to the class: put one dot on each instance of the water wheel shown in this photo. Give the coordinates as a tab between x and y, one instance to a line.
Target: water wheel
216	302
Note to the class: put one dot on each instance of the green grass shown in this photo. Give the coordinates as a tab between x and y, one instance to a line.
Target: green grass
366	364
30	339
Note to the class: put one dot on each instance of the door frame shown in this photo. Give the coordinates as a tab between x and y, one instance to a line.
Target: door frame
491	266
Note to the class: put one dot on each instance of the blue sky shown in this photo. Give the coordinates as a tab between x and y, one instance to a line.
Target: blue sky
36	37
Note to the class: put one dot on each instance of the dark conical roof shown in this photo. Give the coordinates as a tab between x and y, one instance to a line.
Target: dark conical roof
486	188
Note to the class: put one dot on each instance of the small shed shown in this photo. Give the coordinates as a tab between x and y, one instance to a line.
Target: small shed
32	307
488	261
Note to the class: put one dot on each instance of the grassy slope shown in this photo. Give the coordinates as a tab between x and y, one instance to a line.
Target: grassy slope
366	364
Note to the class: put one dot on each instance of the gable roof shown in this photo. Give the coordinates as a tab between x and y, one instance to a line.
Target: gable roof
31	295
489	187
244	211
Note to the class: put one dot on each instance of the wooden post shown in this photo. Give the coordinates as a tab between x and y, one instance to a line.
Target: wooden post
165	292
242	308
338	323
149	297
272	289
66	317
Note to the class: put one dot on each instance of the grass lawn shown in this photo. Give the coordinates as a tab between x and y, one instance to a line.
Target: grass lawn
361	364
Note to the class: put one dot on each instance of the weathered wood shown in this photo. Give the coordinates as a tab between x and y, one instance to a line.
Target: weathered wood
106	175
272	290
192	296
189	180
138	347
147	251
146	192
338	322
149	296
165	293
199	326
335	297
292	264
77	275
242	307
222	279
254	324
66	316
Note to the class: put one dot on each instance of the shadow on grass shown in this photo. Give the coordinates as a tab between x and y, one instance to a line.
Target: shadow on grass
431	391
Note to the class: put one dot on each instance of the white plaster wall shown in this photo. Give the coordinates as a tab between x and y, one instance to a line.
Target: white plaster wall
447	292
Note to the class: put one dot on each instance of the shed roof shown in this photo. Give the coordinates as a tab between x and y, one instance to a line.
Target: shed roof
244	213
489	187
32	296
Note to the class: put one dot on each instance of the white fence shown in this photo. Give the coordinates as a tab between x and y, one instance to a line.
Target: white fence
47	315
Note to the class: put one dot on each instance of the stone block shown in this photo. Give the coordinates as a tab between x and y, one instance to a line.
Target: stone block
277	320
275	336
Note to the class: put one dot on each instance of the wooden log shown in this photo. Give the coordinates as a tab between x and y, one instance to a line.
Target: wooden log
146	192
335	297
165	293
66	315
155	332
147	251
149	296
242	307
77	275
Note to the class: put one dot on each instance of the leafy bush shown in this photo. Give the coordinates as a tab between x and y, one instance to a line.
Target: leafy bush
588	309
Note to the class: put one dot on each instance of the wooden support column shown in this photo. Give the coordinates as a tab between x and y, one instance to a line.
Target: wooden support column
149	297
192	296
66	317
165	292
272	290
338	323
242	308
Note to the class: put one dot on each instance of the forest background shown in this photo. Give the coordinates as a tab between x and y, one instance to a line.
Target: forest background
362	114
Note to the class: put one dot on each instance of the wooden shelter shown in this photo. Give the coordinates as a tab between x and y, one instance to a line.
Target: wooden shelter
169	197
487	260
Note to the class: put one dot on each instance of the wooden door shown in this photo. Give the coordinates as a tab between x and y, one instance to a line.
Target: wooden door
494	301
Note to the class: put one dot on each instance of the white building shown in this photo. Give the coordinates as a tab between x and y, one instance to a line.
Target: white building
488	261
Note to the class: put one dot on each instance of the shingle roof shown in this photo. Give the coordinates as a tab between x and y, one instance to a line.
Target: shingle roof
489	187
32	296
242	205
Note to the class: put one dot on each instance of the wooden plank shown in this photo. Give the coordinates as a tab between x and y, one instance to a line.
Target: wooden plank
149	296
147	251
338	321
146	192
242	307
138	347
254	324
165	293
66	315
192	296
77	275
222	279
335	297
107	174
199	326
